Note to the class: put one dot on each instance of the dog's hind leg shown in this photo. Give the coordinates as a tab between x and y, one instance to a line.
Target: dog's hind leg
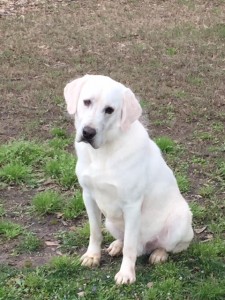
116	247
159	255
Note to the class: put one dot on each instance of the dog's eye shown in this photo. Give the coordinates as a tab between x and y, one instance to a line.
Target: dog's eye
109	110
87	102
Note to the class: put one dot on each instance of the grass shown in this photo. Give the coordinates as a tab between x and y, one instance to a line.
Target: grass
74	207
170	54
10	230
15	173
183	183
166	144
47	202
29	243
61	168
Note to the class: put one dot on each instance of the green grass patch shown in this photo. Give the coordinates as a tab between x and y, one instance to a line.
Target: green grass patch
25	161
74	207
10	230
71	241
165	144
47	202
171	51
16	173
199	211
62	168
183	182
206	191
59	132
29	243
24	152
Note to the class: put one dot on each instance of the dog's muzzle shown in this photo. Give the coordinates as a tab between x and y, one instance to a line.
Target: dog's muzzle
88	134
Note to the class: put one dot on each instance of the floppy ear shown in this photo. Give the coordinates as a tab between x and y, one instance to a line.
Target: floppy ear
72	92
131	110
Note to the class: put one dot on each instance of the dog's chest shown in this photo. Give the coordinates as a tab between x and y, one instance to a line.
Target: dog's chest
103	185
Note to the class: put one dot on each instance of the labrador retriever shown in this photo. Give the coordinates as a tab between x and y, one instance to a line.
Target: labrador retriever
124	177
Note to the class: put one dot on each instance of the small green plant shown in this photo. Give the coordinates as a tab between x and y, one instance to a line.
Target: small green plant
74	207
199	211
62	168
171	51
10	230
221	170
2	210
59	143
47	202
205	136
29	243
59	132
165	144
180	94
23	152
34	280
195	80
183	183
15	173
206	191
65	265
72	240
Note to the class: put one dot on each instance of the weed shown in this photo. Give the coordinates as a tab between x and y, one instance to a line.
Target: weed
72	240
65	265
165	144
199	211
15	173
74	207
2	210
24	152
10	230
62	168
206	191
47	202
183	183
195	80
59	143
221	170
180	94
171	51
29	243
59	133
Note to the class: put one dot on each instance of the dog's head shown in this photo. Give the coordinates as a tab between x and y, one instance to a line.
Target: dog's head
102	108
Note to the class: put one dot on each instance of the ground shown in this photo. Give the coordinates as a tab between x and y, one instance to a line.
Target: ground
171	54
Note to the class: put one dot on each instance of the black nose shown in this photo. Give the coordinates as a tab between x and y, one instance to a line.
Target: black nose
88	133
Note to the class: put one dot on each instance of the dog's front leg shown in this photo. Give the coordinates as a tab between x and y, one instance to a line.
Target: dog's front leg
132	219
93	254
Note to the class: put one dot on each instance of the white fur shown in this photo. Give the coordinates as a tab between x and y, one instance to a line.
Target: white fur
125	178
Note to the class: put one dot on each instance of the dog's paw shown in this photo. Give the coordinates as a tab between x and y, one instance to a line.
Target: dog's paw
90	260
158	256
115	249
125	277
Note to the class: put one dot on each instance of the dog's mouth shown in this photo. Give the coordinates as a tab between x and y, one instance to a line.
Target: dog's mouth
88	141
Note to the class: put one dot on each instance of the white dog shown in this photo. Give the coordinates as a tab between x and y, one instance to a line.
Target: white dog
124	177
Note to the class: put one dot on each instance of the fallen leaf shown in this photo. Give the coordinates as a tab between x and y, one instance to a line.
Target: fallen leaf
59	215
49	243
200	230
150	284
81	294
72	228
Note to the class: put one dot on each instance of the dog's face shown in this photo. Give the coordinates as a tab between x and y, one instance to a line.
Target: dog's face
102	108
